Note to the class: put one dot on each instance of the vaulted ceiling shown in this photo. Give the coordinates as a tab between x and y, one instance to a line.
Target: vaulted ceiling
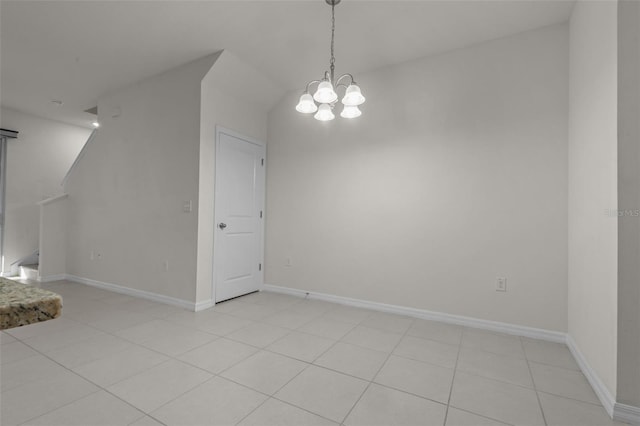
75	51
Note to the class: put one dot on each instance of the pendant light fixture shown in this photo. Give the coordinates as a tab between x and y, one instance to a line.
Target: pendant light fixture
325	98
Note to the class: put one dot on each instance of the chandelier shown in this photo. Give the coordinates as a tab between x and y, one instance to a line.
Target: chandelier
325	98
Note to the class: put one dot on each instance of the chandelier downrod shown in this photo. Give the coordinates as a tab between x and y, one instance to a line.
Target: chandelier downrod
332	61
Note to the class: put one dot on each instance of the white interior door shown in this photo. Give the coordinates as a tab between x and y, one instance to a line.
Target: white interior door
239	203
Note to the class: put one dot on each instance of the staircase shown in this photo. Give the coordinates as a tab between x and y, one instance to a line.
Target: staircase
26	267
29	272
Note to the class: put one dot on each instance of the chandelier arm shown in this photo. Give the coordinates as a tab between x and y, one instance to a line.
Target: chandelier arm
306	90
353	81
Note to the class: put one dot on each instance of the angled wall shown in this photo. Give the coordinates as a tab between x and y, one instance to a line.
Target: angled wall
126	219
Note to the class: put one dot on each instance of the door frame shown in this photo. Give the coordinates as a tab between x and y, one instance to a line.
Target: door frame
219	131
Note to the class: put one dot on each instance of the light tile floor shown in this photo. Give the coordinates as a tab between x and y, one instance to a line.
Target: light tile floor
269	359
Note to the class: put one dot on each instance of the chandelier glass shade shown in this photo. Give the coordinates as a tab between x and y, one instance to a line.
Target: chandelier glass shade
324	113
325	98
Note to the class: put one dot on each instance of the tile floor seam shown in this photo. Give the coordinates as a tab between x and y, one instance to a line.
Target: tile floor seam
377	372
493	379
323	336
8	331
252	411
251	322
86	396
341	321
497	380
300	372
335	342
254	346
482	415
64	405
100	388
366	347
269	397
453	378
154	418
570	398
184	352
171	357
544	418
491	352
304	409
51	334
422	361
410	393
214	376
174	357
555	366
77	319
142	341
6	363
257	390
441	342
261	318
221	371
347	374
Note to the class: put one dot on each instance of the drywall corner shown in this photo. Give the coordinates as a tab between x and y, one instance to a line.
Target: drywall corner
235	96
593	231
628	206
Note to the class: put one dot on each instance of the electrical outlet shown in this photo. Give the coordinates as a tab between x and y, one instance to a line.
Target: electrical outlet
288	261
187	206
501	284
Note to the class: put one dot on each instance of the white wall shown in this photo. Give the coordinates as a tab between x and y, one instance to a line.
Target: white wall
593	250
126	196
36	164
455	174
628	390
53	238
237	97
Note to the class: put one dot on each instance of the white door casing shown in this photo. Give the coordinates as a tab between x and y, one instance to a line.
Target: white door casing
239	206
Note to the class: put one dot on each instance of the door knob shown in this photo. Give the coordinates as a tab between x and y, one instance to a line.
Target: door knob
222	225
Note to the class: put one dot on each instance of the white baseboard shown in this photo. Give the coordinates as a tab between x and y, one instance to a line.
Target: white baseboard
626	413
49	278
617	411
201	306
501	327
602	392
155	297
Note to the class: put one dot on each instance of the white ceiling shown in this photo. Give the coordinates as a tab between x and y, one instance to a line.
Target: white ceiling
75	51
